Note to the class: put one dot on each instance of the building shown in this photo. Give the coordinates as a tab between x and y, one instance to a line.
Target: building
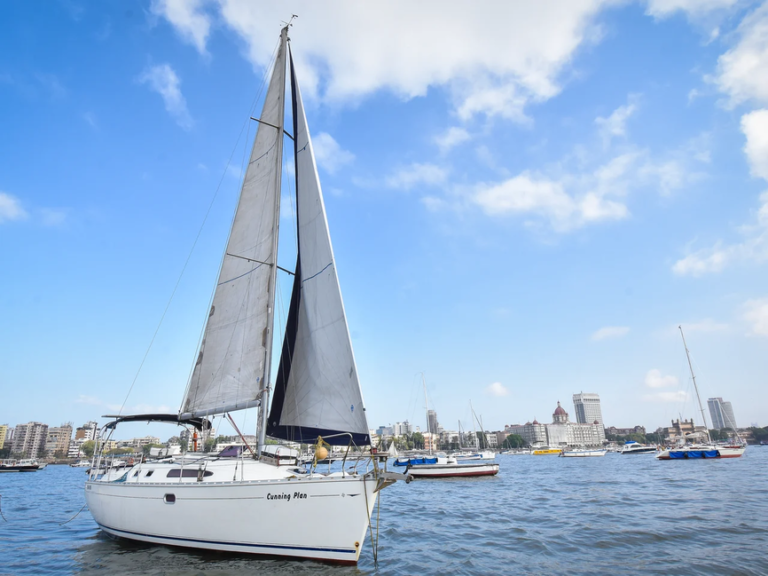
88	431
613	431
533	433
680	429
58	439
7	444
562	432
402	429
432	424
587	407
721	413
3	434
30	439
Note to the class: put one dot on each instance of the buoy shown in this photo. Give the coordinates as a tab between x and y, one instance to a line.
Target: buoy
321	453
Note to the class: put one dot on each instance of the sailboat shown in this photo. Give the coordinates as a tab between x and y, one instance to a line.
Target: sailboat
705	450
259	499
441	465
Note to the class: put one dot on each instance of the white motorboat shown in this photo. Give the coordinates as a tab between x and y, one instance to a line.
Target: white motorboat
442	466
632	447
481	455
261	501
583	453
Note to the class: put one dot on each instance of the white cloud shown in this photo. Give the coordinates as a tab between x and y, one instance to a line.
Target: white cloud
756	313
566	203
10	208
610	332
616	124
54	216
754	244
670	397
742	72
665	8
496	389
90	400
655	379
451	138
187	17
163	80
490	65
329	155
707	326
755	127
416	174
702	262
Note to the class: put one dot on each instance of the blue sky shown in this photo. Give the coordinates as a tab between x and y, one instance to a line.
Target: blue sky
524	200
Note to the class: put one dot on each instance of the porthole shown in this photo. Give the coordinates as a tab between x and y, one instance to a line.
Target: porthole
169	498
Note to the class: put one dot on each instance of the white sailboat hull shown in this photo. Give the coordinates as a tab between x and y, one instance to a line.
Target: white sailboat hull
582	453
701	452
323	519
452	470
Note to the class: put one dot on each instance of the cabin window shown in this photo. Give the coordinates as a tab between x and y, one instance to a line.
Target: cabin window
149	474
186	473
169	498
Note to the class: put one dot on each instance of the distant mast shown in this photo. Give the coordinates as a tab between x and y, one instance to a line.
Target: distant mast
695	387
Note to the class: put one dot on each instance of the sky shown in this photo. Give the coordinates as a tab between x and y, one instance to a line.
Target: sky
525	199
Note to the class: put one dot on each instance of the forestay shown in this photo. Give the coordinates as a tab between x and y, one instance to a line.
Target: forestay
231	364
317	391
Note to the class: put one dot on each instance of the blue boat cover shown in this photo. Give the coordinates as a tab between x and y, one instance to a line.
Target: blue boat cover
711	454
694	454
677	454
416	461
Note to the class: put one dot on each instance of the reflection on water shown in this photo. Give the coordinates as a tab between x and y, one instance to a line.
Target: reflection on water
611	515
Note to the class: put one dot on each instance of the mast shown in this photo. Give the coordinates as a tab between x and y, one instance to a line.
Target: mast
474	426
695	387
267	381
426	403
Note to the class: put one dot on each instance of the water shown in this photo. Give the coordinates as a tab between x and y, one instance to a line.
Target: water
540	515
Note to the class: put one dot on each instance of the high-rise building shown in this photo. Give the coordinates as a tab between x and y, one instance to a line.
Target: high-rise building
721	413
432	423
88	431
587	408
58	439
29	439
3	434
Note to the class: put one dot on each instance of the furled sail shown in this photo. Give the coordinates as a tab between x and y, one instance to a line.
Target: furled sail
232	364
317	391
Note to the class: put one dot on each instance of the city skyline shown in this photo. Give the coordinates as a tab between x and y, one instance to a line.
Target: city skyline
520	215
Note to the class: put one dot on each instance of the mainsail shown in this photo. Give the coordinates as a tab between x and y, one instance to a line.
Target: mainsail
232	362
317	391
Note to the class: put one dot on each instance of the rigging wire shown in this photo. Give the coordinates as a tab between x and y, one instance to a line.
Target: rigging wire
194	244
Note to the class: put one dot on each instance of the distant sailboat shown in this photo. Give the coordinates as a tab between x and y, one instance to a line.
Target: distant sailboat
708	449
440	465
264	502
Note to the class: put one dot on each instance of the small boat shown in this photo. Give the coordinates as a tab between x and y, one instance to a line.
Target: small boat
706	450
701	451
545	451
442	466
81	464
482	455
583	453
19	466
632	447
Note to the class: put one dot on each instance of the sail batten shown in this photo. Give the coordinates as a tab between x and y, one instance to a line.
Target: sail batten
317	390
232	362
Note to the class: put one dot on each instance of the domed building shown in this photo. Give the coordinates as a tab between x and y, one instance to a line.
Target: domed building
559	416
562	432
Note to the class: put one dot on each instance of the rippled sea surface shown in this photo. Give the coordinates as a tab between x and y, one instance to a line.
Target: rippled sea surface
540	515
